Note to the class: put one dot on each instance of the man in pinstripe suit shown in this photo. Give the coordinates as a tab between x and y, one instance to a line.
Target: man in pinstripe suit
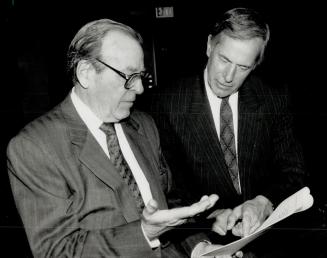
269	158
68	187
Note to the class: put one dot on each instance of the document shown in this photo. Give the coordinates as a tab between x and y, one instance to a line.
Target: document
299	201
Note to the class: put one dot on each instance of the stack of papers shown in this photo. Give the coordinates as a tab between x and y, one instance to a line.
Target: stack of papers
299	201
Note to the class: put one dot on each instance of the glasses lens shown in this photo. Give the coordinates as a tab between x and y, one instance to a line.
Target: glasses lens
130	82
146	78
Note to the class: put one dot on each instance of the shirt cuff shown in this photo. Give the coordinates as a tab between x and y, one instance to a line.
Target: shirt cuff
199	248
153	243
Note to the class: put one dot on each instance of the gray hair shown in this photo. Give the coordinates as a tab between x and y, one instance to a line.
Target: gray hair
243	24
87	43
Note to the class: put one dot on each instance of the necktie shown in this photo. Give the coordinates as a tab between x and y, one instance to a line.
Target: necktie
227	142
117	158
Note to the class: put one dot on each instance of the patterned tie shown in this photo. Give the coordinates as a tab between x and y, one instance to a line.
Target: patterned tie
117	158
227	141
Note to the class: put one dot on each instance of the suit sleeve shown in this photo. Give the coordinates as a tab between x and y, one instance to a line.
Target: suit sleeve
44	202
186	236
287	153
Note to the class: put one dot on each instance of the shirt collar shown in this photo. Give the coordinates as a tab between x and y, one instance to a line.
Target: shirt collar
211	96
89	118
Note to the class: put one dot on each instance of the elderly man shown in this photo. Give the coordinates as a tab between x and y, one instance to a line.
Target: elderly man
88	177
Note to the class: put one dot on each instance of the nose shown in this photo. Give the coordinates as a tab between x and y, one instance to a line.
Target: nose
138	86
229	73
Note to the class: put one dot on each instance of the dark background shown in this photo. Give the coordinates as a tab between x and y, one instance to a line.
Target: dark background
36	35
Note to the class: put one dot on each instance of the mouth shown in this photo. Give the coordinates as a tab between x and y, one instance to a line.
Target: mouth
224	86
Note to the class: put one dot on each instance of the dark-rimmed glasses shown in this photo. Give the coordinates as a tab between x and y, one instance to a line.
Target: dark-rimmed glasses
130	79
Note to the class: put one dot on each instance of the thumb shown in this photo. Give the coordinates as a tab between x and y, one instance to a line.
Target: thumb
151	207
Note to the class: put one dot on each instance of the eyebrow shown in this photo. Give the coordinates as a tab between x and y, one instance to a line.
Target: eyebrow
225	57
133	70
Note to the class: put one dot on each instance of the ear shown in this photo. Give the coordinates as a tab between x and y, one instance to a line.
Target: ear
84	72
209	45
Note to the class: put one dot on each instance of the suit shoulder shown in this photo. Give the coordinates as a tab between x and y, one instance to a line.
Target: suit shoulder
43	127
144	119
141	116
176	97
265	88
147	124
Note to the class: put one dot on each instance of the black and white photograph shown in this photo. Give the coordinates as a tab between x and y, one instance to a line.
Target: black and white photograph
163	128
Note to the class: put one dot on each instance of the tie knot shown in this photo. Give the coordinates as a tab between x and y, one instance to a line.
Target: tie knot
108	128
225	99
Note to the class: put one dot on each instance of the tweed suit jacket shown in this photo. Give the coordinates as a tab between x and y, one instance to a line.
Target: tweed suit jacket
72	201
269	157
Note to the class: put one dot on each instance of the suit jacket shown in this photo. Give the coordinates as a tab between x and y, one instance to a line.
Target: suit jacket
72	201
269	157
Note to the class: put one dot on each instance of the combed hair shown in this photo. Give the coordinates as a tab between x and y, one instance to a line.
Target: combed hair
243	24
87	43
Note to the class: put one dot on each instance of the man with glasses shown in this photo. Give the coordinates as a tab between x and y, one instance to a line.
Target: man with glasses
88	177
130	79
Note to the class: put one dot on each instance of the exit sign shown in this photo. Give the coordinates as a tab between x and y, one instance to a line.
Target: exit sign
164	12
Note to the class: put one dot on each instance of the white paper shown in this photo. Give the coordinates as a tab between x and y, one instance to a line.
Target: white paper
299	201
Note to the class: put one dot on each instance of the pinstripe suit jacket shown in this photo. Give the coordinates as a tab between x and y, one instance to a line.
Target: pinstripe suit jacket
71	200
269	157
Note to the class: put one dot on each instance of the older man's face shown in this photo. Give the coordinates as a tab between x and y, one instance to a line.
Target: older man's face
109	99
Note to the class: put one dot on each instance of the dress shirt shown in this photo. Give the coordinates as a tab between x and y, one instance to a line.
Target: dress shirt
93	123
215	102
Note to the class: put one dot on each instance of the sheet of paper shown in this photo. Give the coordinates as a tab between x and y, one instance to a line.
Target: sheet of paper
299	201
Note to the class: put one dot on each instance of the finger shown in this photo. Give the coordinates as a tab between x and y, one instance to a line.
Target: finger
246	223
215	213
213	198
216	227
254	227
181	213
202	205
234	216
220	226
204	197
150	208
237	230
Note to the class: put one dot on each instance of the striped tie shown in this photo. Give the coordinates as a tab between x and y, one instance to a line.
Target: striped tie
227	142
117	158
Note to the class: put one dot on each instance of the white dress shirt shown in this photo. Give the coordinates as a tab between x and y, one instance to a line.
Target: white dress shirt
93	123
215	102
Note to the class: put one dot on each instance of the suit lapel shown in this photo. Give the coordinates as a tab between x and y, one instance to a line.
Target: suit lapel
142	151
90	152
248	130
93	157
199	117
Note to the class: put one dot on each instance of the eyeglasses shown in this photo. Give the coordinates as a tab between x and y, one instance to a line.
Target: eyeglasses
130	79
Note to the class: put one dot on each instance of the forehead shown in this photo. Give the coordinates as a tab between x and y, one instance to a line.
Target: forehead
119	42
239	51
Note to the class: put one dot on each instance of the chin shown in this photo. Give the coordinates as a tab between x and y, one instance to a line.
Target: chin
122	115
222	93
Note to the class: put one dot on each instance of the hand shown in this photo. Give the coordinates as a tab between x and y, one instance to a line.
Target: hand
252	214
155	222
204	247
222	223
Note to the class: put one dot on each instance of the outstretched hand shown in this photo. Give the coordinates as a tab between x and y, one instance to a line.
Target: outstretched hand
243	219
155	222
